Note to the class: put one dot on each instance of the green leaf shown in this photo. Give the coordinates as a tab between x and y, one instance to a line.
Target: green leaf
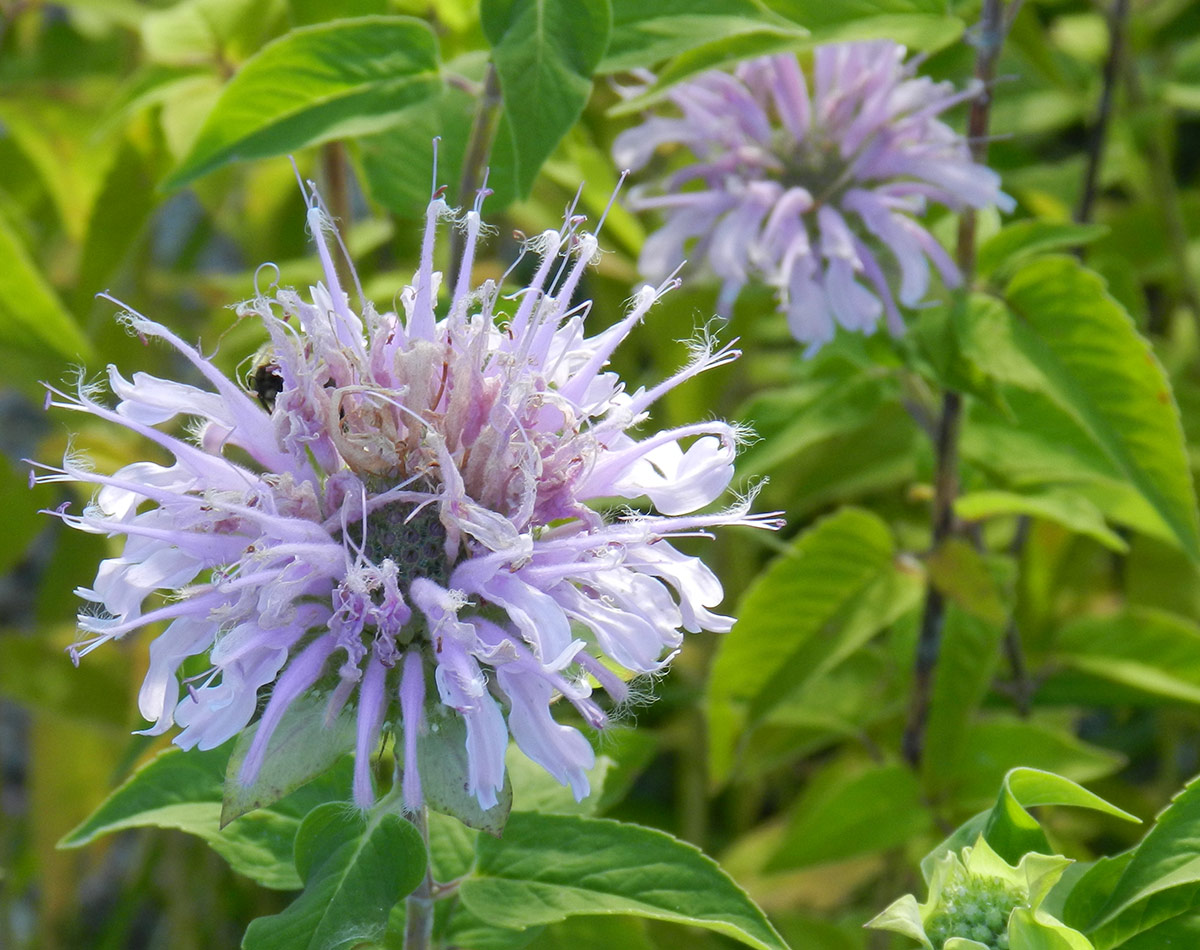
209	31
1166	858
442	763
845	812
995	745
622	753
1072	511
1017	242
183	790
1036	445
647	33
716	34
1104	373
963	575
794	419
397	161
315	84
31	315
544	52
302	746
1009	828
785	613
1031	930
355	867
917	24
1147	649
966	663
548	868
1181	931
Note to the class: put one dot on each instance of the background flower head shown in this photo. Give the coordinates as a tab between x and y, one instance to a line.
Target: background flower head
397	507
813	184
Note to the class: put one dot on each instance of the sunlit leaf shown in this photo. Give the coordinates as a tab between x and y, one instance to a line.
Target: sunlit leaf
183	790
547	868
1104	373
314	84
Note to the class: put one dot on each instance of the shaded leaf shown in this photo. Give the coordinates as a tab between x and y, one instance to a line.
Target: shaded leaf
799	595
544	52
302	746
442	763
355	867
1021	240
1149	650
847	812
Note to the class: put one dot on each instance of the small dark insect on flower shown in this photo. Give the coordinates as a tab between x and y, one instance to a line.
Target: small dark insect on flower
265	380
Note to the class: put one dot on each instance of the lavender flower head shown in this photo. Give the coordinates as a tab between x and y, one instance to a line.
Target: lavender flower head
816	193
420	510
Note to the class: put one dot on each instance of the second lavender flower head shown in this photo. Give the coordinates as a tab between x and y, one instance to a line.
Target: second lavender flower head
813	185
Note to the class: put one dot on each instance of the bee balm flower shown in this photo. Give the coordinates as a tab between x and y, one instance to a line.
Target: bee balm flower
815	192
409	506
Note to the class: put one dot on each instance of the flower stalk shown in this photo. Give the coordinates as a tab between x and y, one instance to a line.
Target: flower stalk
990	39
418	906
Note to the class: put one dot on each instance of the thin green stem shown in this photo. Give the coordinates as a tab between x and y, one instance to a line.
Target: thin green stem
418	906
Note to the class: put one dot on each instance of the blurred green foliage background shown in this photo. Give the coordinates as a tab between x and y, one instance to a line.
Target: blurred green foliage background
805	800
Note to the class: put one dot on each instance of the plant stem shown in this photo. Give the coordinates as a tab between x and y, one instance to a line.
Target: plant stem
418	906
479	150
989	39
335	171
1166	193
1117	19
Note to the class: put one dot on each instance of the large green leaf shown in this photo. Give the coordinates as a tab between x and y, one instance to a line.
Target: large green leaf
850	811
314	84
184	790
647	33
355	867
717	34
1104	373
966	663
1166	858
544	52
800	596
1017	242
1068	509
1149	650
31	315
547	868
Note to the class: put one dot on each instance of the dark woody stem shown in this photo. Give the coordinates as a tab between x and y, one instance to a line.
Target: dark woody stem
989	39
1117	21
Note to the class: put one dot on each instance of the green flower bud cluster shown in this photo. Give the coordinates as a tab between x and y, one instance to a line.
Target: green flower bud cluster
976	908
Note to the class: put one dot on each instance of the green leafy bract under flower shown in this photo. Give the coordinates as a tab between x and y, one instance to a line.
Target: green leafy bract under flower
977	901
